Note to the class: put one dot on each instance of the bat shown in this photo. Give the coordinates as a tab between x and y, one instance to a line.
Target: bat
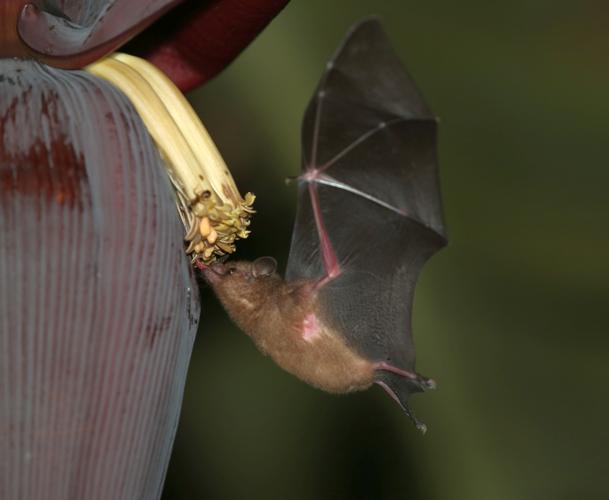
369	216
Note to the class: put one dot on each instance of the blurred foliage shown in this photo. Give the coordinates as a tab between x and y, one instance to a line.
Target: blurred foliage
511	318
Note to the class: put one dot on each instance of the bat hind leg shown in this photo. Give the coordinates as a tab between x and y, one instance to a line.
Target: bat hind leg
424	384
421	427
399	384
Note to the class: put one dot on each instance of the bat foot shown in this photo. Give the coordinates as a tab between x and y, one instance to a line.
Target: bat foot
421	427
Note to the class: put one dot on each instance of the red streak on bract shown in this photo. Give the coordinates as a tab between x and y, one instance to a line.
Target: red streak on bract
10	43
53	171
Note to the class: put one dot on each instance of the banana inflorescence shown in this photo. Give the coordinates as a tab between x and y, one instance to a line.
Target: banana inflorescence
210	206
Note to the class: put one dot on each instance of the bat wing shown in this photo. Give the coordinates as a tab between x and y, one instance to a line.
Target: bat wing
369	208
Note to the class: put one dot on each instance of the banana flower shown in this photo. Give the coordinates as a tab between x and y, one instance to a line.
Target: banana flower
98	305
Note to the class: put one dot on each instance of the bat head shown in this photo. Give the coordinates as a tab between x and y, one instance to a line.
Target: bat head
240	271
243	286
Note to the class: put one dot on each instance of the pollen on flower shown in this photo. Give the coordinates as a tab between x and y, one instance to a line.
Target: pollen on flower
213	227
205	227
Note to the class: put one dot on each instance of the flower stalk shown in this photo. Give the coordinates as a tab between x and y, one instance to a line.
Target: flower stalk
213	212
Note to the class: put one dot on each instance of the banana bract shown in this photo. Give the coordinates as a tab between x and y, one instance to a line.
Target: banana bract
98	304
98	301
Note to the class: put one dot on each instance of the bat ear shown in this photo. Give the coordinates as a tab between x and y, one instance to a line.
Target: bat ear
263	266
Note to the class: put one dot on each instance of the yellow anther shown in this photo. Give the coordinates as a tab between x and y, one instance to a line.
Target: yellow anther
205	227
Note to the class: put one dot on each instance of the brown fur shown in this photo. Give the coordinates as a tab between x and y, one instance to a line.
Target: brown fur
272	312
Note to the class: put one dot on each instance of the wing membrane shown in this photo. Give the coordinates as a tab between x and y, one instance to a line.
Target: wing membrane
369	148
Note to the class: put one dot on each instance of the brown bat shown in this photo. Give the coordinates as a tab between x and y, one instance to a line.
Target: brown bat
369	216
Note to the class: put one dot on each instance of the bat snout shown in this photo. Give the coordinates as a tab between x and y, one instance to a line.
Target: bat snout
214	272
218	268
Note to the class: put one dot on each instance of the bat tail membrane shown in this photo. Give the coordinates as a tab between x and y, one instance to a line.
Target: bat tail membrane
399	386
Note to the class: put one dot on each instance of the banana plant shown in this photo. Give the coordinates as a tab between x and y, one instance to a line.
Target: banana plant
110	188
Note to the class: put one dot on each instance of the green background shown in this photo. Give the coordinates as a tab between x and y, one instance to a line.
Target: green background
510	319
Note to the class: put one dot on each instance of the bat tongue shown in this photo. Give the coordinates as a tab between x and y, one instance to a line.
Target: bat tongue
400	388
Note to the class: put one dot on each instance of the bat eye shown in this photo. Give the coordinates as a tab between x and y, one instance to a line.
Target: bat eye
232	270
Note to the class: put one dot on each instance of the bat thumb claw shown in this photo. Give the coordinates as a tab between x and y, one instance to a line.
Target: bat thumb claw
428	384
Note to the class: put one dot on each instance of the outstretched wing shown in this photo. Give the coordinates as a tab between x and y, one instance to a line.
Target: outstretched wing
369	209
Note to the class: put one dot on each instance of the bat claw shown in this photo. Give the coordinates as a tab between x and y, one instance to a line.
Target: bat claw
421	427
